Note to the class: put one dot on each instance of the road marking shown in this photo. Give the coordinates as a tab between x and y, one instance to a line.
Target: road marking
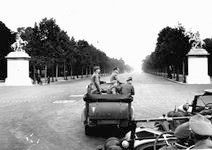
76	95
63	101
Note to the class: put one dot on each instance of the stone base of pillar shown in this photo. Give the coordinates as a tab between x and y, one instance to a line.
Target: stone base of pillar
198	80
18	69
18	82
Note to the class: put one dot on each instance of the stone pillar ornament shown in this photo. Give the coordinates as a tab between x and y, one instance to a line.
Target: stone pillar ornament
19	43
18	64
197	62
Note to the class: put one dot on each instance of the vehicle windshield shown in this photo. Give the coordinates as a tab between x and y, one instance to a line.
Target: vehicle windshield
146	135
203	100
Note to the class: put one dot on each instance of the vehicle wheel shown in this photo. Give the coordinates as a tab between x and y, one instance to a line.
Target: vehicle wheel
88	130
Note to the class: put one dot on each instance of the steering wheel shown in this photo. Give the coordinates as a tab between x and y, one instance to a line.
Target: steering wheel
164	137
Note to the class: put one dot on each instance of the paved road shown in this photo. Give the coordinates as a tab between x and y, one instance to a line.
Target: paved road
48	117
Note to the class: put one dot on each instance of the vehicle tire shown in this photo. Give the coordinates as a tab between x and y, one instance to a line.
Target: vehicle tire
88	130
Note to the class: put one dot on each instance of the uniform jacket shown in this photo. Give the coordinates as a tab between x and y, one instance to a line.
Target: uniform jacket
95	82
114	77
127	89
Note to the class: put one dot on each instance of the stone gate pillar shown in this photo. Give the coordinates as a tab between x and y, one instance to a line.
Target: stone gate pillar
18	69
198	66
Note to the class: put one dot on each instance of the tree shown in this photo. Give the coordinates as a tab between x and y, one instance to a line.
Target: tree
171	48
7	38
52	49
64	50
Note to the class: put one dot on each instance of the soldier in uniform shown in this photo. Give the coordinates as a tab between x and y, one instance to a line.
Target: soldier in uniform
128	88
94	87
114	80
114	75
201	131
184	110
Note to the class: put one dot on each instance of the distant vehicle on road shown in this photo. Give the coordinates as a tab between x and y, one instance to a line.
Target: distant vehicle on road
106	110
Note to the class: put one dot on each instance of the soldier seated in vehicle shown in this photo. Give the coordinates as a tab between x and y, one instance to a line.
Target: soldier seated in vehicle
184	110
174	123
127	88
114	80
178	112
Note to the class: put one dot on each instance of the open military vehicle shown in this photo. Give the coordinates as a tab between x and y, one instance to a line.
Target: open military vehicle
106	110
145	138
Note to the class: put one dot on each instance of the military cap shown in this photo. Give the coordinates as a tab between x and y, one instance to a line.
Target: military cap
200	125
96	67
130	78
182	131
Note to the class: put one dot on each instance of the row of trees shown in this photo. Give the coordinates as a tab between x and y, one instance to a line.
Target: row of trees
170	53
53	53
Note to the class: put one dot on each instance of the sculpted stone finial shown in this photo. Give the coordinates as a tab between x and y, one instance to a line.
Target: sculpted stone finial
19	43
197	42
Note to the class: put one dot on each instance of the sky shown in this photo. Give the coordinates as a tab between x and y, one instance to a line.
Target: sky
126	29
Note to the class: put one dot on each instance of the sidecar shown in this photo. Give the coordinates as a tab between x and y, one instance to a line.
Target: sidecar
106	110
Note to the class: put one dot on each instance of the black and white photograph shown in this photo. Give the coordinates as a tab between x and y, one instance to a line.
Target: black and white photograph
105	74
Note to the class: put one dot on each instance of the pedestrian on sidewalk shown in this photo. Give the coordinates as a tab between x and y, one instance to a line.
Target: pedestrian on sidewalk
48	79
39	79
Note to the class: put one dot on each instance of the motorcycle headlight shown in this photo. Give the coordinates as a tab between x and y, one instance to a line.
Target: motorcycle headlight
125	144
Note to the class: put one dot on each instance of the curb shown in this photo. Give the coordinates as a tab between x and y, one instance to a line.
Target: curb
171	80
